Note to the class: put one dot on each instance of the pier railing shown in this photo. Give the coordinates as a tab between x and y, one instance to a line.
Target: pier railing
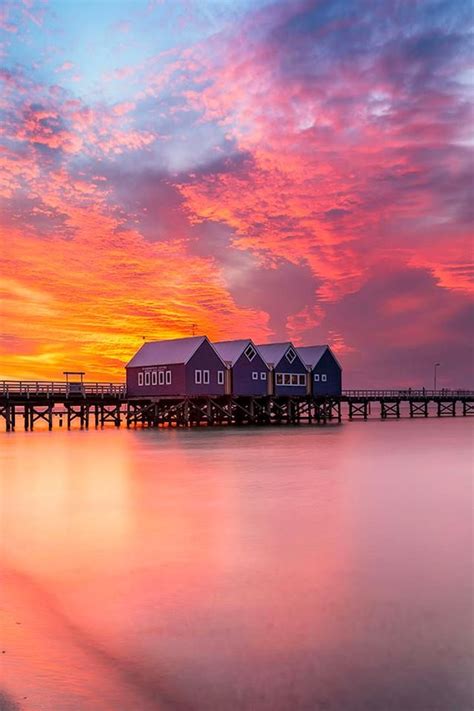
28	388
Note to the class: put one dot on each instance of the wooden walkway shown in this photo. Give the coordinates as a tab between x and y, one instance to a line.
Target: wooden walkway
29	403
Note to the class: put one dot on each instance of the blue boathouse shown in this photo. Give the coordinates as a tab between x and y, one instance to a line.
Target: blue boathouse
325	369
247	372
179	367
289	373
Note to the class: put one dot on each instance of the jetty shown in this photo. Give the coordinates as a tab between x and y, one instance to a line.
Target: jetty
27	403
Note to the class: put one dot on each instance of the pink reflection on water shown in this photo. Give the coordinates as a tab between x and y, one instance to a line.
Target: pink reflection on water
237	569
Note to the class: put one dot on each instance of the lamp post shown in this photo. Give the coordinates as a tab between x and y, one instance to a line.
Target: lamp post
436	365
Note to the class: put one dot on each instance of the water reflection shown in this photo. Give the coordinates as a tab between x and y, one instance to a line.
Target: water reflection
256	569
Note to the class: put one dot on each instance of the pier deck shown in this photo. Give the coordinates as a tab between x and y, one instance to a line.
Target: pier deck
97	404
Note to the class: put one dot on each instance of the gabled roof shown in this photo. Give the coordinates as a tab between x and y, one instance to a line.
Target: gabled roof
272	353
178	350
230	351
311	355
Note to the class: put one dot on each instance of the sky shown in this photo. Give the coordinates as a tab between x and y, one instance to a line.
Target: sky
292	170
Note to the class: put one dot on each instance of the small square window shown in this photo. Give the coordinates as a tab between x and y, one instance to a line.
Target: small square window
279	379
220	377
140	379
324	377
290	355
168	377
205	377
250	352
263	375
316	377
161	377
147	378
198	377
254	375
287	379
154	377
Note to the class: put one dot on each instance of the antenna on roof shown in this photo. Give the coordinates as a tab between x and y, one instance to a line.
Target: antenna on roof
194	326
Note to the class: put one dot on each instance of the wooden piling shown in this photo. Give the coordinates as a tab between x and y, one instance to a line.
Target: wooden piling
40	403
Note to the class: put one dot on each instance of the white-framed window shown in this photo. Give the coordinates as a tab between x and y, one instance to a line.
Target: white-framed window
161	377
154	377
140	379
198	377
250	352
206	377
316	377
254	375
220	377
324	377
168	377
292	379
263	375
290	355
147	377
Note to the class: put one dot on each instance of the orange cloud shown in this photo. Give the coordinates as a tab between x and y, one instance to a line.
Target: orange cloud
87	293
92	298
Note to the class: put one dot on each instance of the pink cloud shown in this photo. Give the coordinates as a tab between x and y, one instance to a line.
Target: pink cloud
65	67
5	24
124	108
123	73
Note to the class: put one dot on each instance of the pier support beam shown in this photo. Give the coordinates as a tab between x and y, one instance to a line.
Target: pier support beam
27	417
8	413
418	409
467	408
358	410
389	409
447	408
5	413
37	413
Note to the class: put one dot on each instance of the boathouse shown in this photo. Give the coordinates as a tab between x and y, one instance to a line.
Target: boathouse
176	368
289	373
247	373
325	370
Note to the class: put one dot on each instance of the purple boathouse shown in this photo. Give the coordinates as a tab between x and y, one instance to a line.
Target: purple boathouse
325	369
176	368
247	373
289	373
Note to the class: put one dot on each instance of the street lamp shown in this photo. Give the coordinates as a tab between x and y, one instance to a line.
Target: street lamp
436	365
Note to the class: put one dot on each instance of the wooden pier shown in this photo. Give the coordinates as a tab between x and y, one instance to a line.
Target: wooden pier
28	403
32	402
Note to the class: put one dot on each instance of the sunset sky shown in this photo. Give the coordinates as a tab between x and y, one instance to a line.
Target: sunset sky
282	170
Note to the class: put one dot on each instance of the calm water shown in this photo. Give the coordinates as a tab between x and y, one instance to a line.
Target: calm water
277	569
